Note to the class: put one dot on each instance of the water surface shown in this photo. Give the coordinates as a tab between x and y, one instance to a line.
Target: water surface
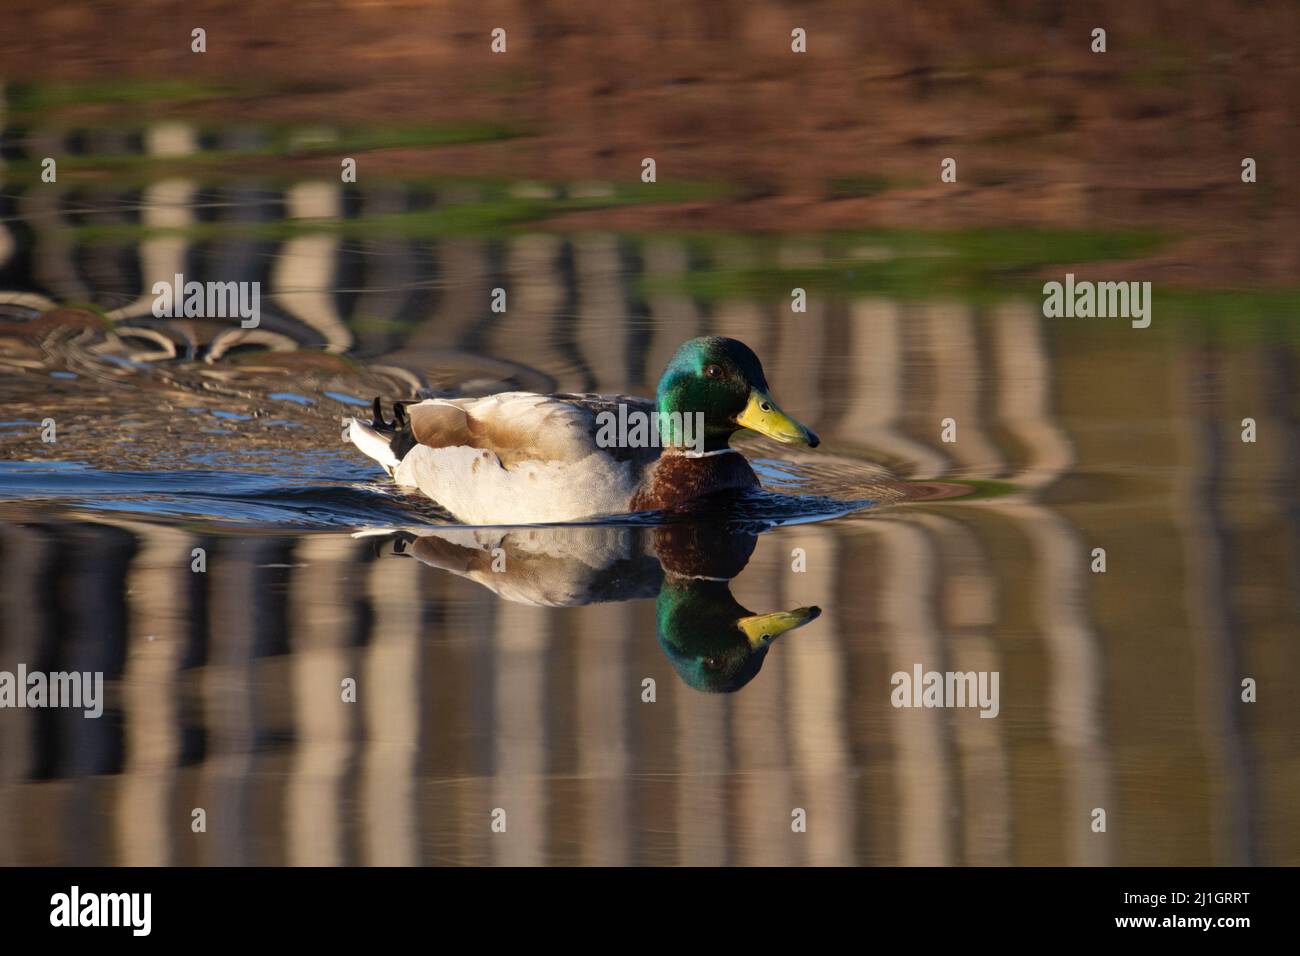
526	691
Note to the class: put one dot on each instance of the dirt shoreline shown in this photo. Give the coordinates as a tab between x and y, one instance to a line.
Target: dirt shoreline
1149	135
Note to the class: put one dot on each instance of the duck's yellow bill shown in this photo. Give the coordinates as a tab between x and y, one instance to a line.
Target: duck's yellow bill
763	629
765	417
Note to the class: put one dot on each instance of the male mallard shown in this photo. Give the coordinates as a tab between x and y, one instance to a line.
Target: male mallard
522	458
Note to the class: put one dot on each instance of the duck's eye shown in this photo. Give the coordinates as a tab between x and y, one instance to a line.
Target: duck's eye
713	663
713	371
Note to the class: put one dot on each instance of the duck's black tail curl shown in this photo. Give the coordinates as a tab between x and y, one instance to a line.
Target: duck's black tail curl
380	424
377	421
401	438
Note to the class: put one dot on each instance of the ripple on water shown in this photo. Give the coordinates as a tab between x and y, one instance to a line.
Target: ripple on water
320	491
224	443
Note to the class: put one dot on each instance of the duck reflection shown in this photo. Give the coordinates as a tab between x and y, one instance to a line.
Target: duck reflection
714	643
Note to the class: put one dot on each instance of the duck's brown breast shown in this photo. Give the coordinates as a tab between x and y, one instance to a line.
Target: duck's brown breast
676	479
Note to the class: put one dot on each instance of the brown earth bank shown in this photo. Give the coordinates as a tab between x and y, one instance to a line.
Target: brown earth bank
1148	135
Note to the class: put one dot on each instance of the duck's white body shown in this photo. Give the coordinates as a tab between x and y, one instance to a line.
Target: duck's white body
474	486
553	469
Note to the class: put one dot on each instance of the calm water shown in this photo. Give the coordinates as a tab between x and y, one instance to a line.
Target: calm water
525	690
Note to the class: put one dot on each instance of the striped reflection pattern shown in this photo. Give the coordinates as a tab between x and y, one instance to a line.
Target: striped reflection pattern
1119	691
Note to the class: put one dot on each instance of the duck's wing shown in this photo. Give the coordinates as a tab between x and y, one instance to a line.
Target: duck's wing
522	426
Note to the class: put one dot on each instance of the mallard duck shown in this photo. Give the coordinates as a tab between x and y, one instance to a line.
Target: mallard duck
524	458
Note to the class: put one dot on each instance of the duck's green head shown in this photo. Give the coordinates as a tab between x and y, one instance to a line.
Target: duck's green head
714	643
722	381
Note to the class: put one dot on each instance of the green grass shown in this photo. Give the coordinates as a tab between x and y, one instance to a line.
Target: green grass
979	267
857	187
495	211
283	142
1232	316
27	99
913	264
